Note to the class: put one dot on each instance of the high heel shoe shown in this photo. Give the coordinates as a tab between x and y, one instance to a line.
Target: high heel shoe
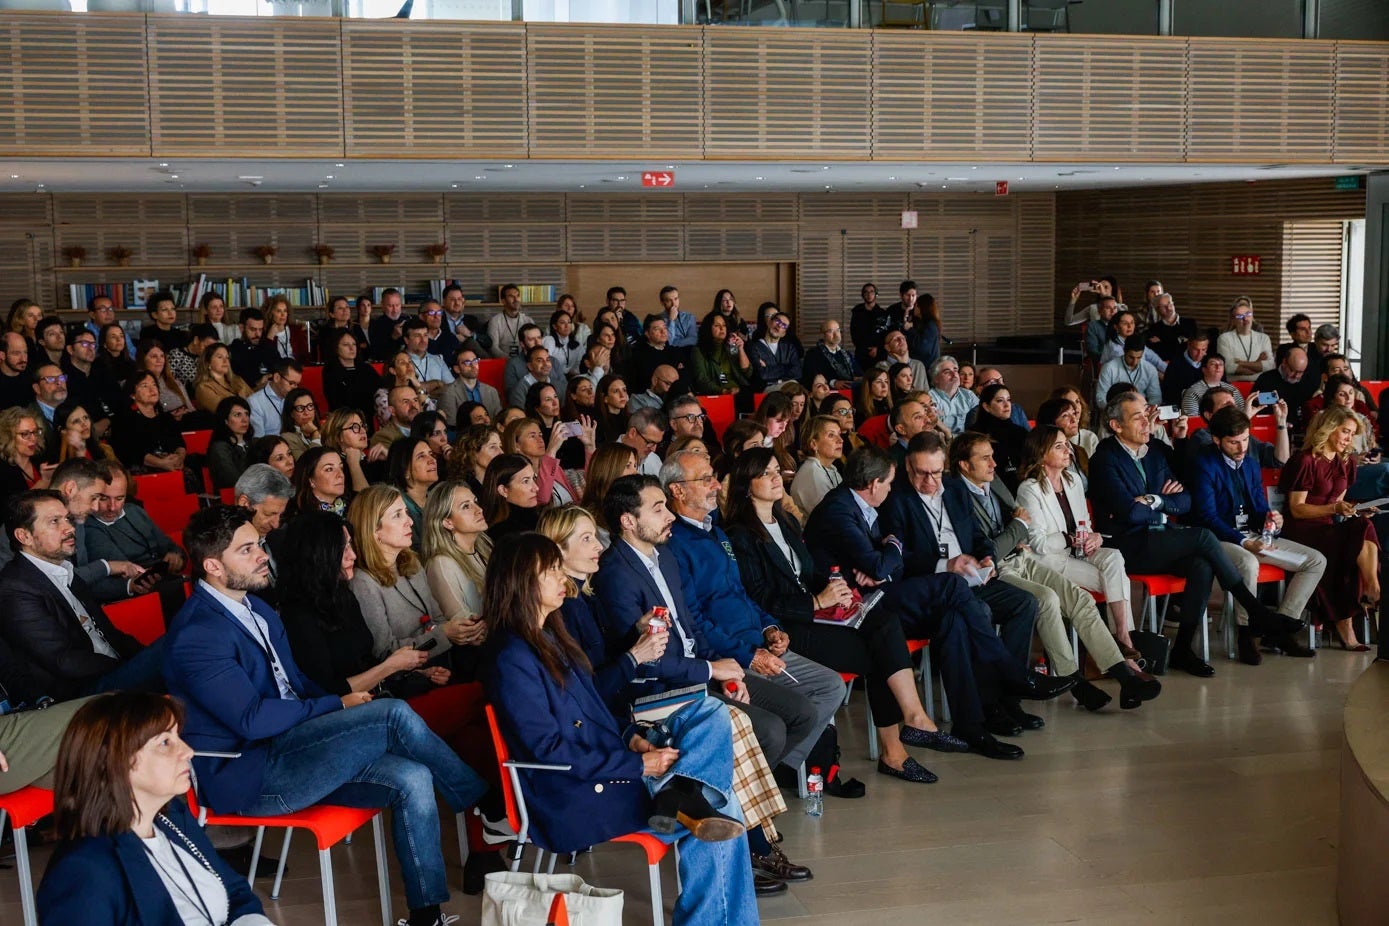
682	801
1341	642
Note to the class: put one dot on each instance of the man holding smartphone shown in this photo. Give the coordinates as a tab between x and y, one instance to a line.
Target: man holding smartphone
1290	380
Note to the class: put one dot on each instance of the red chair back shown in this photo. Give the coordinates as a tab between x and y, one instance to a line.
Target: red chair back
141	617
27	806
152	485
719	410
875	431
197	441
313	381
170	513
1244	387
492	371
513	812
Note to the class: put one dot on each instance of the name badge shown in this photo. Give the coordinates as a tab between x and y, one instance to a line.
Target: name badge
1241	519
943	550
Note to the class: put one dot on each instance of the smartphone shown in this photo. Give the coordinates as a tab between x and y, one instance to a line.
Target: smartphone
1169	413
573	429
425	646
1268	398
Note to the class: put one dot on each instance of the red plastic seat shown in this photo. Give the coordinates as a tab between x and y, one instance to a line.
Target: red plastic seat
330	826
719	410
197	441
876	432
24	808
492	371
313	381
519	819
170	513
141	617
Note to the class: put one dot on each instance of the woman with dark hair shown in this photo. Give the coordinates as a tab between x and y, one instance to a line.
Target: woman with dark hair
610	398
144	437
475	448
299	422
326	332
113	354
470	414
742	435
131	852
229	448
346	432
542	405
566	350
779	573
720	361
173	398
214	313
727	307
273	451
541	685
775	415
994	420
608	337
433	429
610	463
334	647
320	483
967	374
900	378
578	399
841	409
1065	414
347	382
411	468
874	396
511	496
73	423
924	334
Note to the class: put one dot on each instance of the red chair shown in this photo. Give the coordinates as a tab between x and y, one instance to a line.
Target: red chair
1244	387
517	815
171	512
719	410
141	617
875	431
24	808
155	485
197	441
1158	586
330	826
492	371
1267	573
313	381
1194	423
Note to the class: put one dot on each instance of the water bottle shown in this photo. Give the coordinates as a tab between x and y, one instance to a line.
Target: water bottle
835	574
1270	530
815	793
1082	534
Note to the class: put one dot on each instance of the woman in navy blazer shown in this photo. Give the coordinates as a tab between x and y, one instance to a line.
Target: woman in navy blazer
155	868
550	712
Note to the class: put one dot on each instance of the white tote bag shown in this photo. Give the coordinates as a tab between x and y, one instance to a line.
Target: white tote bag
513	898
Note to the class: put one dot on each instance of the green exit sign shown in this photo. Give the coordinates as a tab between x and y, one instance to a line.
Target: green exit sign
1350	183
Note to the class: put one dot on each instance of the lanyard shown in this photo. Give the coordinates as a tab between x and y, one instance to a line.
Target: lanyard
196	897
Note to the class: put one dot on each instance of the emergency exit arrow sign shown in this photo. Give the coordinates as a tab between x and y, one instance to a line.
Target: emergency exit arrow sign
658	178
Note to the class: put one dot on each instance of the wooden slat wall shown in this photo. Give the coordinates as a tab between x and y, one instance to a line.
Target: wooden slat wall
434	89
228	87
164	84
73	85
1311	265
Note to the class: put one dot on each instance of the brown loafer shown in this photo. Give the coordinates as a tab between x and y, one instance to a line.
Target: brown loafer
776	865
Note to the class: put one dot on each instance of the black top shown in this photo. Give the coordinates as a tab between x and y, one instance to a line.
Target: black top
168	339
133	435
518	521
251	361
329	658
354	388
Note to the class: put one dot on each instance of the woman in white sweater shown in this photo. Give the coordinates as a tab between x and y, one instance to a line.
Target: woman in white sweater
823	445
1247	352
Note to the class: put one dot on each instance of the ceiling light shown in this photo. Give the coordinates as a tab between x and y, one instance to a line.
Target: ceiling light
622	176
974	168
508	166
173	176
163	163
892	178
956	179
758	178
1118	168
1021	178
250	177
329	177
826	167
670	167
583	186
14	176
453	186
478	177
340	164
323	186
943	186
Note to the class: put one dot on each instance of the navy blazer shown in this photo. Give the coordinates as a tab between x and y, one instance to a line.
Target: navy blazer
1115	482
1215	493
627	591
613	668
111	880
837	535
904	514
542	720
223	676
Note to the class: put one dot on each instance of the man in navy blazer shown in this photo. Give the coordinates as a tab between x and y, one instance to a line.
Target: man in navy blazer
1227	498
844	531
1134	495
636	573
229	661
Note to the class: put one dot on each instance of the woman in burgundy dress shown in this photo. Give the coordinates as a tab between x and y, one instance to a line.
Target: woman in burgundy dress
1315	482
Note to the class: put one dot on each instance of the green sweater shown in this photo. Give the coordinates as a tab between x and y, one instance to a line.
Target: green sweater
718	374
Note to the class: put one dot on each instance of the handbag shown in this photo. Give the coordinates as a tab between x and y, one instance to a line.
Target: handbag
514	898
1154	647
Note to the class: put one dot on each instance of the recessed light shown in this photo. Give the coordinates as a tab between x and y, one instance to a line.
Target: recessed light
163	163
826	167
943	186
453	186
974	168
892	178
956	179
622	176
583	186
1021	178
508	166
670	167
339	164
250	177
758	178
323	186
14	176
329	177
478	177
173	176
1118	168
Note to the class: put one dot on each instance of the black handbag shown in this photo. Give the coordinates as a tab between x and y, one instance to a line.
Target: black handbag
1154	647
404	685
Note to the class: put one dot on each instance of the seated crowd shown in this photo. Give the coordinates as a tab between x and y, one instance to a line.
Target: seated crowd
582	538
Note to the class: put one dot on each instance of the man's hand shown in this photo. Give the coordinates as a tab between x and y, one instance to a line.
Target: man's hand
175	560
437	674
726	670
738	692
864	579
1172	487
1022	515
1280	412
352	699
124	568
777	641
657	762
650	646
961	565
1178	428
1253	545
765	664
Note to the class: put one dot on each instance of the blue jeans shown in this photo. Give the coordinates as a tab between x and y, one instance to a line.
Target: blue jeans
1371	482
379	754
142	672
715	877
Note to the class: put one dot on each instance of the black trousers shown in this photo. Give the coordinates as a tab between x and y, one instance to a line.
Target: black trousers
876	650
779	715
1190	552
1014	610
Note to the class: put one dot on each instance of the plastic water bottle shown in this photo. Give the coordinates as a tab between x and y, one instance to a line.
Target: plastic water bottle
1270	530
1082	534
815	793
835	574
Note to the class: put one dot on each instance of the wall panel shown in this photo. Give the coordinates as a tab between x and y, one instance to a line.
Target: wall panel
1362	116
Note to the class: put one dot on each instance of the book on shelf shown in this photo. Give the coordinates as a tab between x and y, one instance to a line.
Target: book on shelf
81	294
141	291
236	292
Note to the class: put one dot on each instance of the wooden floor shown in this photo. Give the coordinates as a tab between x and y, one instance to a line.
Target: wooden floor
1216	804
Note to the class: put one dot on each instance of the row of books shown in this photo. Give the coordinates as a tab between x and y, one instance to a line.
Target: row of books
237	293
122	295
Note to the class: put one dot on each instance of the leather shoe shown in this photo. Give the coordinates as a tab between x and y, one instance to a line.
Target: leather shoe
839	786
983	743
1027	721
1189	663
931	739
1288	645
682	801
911	770
1037	687
1271	623
763	886
999	724
1248	649
777	866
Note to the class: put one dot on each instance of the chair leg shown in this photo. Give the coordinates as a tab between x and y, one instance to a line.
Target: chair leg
255	856
550	869
330	901
516	856
280	871
928	684
462	820
1205	635
26	877
539	858
658	911
872	731
383	881
801	790
1227	624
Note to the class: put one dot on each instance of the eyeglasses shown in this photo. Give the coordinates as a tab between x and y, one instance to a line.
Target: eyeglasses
780	326
706	479
688	419
1240	316
26	435
651	444
931	473
53	380
844	412
355	427
433	313
84	343
300	409
469	363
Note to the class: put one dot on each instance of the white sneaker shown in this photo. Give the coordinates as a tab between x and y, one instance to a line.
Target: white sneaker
496	832
444	919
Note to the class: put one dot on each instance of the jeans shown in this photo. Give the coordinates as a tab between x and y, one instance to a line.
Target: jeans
142	672
379	754
715	877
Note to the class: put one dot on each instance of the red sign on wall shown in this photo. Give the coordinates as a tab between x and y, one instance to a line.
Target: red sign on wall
1001	188
1245	265
658	178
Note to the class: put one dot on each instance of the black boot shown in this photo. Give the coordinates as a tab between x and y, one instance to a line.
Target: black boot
1088	695
682	801
1263	620
1183	658
1248	648
1134	687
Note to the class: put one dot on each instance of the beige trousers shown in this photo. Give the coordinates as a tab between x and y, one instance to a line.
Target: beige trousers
1061	601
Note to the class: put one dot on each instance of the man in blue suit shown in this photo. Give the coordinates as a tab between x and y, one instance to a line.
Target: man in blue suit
845	531
1227	497
1134	496
228	659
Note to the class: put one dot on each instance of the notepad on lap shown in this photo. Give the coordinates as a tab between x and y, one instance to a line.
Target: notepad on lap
657	707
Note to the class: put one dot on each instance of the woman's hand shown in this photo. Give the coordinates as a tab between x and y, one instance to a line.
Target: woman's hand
377	452
558	435
650	646
353	455
352	699
837	592
1093	542
466	631
405	659
437	674
657	762
588	432
1344	508
73	439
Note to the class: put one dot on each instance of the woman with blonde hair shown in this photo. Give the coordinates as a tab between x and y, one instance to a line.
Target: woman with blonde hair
800	411
472	451
455	549
215	380
21	442
823	447
1315	482
277	330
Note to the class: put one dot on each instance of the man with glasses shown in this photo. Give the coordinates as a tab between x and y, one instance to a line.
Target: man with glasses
430	369
1246	350
1294	385
776	359
101	311
952	403
440	341
96	391
663	379
466	387
50	391
616	301
645	431
829	359
268	402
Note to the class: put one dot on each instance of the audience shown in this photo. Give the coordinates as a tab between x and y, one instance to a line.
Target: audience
411	468
229	447
823	449
144	437
1248	349
510	495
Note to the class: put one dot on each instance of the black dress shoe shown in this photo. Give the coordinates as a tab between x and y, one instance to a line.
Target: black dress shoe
931	739
1037	687
777	866
1182	658
1014	711
1136	688
1248	648
839	786
1090	696
998	723
1270	623
984	744
911	770
1289	645
762	886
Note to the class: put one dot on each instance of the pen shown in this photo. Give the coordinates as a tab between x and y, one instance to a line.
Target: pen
787	673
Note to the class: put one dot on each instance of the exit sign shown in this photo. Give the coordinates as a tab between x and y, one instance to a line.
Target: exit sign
1245	265
1354	182
658	178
